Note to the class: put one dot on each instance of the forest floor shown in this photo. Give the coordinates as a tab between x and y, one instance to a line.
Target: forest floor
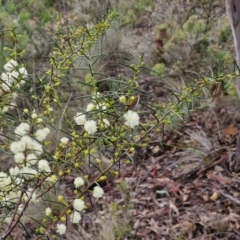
181	189
178	187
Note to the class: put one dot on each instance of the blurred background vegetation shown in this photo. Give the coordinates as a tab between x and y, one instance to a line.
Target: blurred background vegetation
184	35
181	40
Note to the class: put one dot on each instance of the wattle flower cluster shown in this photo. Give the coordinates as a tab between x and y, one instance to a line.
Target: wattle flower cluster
91	126
13	75
13	78
27	152
78	206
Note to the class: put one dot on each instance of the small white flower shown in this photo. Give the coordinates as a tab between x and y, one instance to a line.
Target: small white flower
61	228
78	182
41	134
75	217
6	86
28	172
132	119
14	171
64	140
90	107
5	182
46	130
22	129
80	118
36	147
31	158
5	185
10	65
19	158
17	147
43	166
90	126
98	192
27	142
14	75
48	211
5	77
23	72
78	205
8	79
14	196
3	176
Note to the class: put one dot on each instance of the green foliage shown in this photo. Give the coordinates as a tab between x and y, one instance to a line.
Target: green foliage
192	35
26	18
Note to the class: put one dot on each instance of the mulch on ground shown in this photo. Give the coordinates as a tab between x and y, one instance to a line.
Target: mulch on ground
181	187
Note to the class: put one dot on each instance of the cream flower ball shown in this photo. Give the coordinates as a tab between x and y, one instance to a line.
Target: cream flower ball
90	126
80	118
10	65
98	192
131	119
78	182
78	205
61	228
75	217
43	166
